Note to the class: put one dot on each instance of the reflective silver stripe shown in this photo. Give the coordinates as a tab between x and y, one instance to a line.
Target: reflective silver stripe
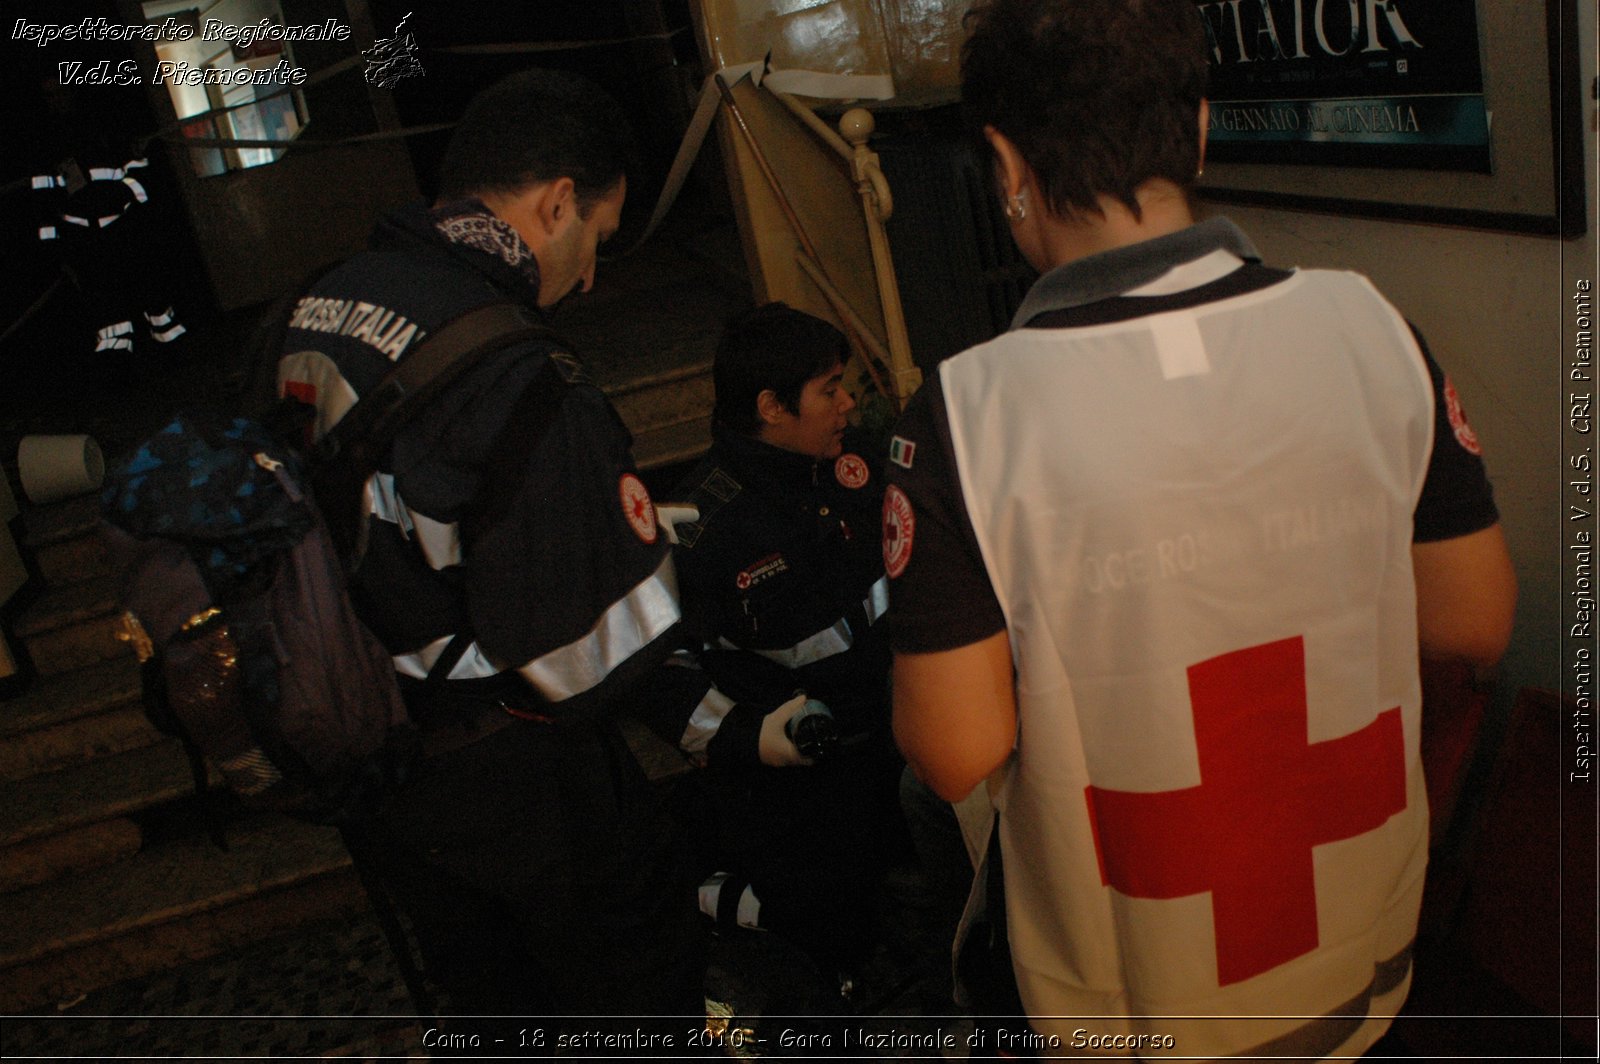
164	318
49	181
166	336
138	190
118	337
440	543
384	503
472	666
704	721
630	624
107	219
47	232
251	772
104	173
75	220
877	601
834	639
134	164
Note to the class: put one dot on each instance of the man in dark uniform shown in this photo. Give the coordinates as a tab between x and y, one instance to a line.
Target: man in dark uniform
95	209
783	579
515	558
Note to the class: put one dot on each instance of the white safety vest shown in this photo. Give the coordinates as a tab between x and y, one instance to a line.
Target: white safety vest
1198	525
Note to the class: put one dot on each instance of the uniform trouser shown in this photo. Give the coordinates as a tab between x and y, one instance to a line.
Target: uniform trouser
543	879
119	270
811	842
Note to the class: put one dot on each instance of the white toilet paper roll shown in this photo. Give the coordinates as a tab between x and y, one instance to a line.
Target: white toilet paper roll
53	468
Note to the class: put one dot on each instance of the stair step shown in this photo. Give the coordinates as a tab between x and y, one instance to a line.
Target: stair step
40	860
56	700
670	444
174	903
73	717
669	413
59	521
52	749
71	561
97	790
659	759
61	537
680	394
74	626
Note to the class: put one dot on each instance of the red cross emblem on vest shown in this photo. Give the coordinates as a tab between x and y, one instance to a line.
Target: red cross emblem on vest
1267	795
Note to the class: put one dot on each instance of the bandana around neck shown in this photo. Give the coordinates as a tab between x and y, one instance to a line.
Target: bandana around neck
469	223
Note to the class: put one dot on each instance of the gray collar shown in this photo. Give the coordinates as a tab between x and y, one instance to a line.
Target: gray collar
1110	273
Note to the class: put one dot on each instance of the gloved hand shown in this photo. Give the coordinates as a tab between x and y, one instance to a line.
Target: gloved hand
774	747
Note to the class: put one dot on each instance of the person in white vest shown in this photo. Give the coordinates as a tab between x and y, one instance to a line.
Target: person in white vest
1163	558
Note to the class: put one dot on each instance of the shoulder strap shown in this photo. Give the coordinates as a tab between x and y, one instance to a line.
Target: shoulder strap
349	452
367	428
524	430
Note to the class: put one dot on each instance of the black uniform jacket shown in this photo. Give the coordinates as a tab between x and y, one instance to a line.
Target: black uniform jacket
536	539
782	575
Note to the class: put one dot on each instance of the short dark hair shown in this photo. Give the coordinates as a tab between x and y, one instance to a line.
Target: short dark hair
773	346
1099	96
537	126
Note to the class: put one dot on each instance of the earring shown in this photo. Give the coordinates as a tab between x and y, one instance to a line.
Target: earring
1016	207
1199	173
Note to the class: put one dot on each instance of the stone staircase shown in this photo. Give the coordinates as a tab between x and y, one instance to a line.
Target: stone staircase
669	414
106	870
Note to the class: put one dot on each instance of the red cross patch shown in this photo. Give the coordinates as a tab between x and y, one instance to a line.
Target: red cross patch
637	508
851	471
1266	797
899	525
1458	420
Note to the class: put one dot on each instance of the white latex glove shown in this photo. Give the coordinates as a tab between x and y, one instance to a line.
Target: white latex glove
670	515
775	748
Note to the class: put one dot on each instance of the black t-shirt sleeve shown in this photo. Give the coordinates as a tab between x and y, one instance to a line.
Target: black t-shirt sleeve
1456	498
939	590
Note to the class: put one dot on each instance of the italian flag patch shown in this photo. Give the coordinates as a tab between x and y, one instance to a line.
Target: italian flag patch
901	452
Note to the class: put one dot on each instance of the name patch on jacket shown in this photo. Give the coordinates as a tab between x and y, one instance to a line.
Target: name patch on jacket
378	326
765	569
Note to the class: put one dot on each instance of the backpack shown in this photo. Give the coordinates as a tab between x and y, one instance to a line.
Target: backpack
234	580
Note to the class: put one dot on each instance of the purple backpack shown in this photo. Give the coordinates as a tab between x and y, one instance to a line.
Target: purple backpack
253	652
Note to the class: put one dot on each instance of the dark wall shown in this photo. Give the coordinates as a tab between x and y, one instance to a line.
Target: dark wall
653	79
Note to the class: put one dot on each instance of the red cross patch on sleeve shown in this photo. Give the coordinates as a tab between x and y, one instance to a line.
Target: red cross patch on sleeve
637	508
899	525
1458	420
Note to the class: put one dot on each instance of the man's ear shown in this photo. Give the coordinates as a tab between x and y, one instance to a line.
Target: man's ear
770	407
538	212
1009	164
555	204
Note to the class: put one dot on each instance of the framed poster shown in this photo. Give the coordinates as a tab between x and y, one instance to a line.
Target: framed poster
1372	121
1380	83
